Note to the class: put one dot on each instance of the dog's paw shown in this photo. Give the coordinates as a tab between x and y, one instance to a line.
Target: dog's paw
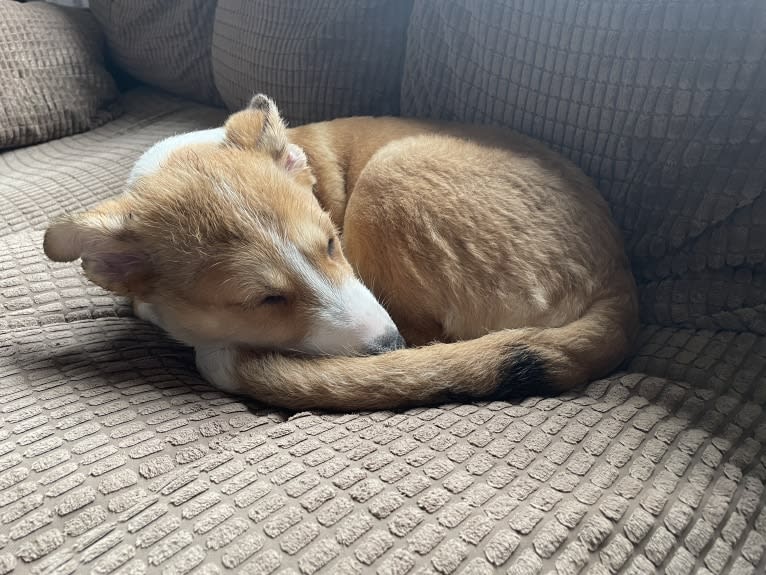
216	365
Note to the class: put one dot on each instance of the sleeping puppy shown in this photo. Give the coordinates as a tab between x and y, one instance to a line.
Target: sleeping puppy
299	261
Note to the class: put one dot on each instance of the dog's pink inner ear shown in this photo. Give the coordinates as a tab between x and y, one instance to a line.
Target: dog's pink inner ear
294	159
119	268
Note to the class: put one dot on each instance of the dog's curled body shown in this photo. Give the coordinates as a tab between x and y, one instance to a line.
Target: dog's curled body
476	238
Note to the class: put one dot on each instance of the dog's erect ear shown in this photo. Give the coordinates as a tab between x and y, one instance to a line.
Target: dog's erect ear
260	127
112	254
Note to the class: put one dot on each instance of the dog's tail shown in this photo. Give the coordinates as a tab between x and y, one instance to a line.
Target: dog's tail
500	365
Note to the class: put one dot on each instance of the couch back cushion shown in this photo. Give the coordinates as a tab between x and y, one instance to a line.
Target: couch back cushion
53	81
318	59
164	43
662	102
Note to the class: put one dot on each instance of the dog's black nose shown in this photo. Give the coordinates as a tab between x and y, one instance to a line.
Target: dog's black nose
390	341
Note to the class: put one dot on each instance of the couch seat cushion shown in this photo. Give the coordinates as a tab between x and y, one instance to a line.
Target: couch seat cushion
115	457
52	74
163	43
75	173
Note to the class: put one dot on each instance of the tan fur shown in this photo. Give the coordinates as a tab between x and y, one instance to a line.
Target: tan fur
203	246
473	236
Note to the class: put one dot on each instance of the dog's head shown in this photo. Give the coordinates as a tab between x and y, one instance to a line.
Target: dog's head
227	244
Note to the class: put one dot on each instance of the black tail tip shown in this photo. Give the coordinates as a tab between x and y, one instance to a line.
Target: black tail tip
522	374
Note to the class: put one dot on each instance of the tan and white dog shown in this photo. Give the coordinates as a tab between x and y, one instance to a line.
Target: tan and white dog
293	258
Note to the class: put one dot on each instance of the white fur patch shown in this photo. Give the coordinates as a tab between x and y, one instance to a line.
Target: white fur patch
298	263
350	323
111	222
348	320
152	159
539	296
146	312
216	365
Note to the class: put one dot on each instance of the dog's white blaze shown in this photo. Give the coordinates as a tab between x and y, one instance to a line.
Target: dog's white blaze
348	320
351	323
152	159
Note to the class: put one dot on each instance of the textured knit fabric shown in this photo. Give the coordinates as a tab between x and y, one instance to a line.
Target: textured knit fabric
165	43
115	457
662	102
318	60
53	82
72	174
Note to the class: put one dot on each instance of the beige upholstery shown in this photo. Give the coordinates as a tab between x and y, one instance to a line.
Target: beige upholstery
164	43
661	102
116	455
318	60
116	458
53	82
71	174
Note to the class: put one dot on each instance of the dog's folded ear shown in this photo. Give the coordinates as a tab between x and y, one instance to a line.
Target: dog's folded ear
112	254
261	102
260	127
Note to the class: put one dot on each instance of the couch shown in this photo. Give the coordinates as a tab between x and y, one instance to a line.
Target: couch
116	457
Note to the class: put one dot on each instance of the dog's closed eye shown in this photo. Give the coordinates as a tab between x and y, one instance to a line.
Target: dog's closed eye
274	300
